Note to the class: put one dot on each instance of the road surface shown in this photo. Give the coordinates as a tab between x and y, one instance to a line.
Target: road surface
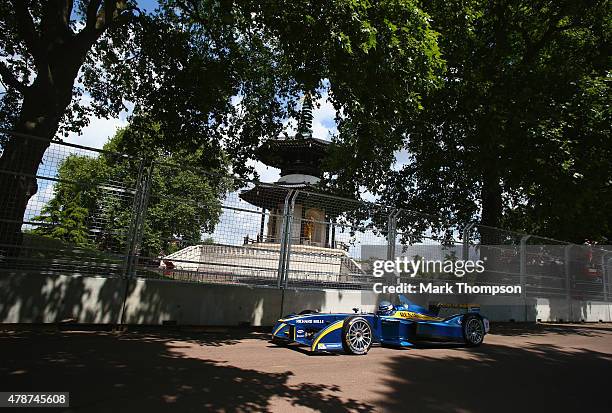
538	368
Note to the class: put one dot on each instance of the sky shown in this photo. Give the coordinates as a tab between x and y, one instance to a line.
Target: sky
148	5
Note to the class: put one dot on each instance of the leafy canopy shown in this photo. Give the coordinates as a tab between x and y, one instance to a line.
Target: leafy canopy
223	75
519	133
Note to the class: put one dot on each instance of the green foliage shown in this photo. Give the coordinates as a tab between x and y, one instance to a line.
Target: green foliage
516	133
184	63
66	216
64	222
214	78
519	134
92	205
375	60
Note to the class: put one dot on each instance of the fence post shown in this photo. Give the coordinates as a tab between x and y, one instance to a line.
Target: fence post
568	287
523	272
287	259
285	237
141	199
392	237
130	236
392	233
134	239
285	245
604	274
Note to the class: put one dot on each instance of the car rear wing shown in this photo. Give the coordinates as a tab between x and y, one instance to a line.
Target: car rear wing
470	308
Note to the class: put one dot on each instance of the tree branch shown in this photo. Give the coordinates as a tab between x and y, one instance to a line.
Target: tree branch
10	80
92	13
534	46
109	10
189	8
26	28
55	22
100	20
124	17
66	12
183	6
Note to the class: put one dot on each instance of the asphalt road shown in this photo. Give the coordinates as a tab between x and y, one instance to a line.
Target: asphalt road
541	368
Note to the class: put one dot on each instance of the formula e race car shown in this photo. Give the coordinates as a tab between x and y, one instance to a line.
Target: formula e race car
394	326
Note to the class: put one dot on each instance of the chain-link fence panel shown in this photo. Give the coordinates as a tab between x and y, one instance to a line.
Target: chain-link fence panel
73	216
211	228
586	271
325	236
96	212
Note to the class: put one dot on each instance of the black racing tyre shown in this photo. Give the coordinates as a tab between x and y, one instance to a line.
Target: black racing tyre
306	312
473	330
356	335
279	342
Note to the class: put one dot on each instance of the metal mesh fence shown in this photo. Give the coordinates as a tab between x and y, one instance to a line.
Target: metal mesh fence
96	212
78	220
544	267
214	235
326	239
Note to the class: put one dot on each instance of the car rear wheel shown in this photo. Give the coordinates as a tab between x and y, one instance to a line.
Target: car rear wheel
356	335
473	330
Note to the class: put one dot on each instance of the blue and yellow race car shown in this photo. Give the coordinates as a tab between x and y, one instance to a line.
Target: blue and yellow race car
396	326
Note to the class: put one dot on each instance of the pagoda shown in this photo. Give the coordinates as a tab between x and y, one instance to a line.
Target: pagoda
300	160
318	257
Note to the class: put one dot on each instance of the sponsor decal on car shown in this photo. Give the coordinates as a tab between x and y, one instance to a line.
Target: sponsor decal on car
412	315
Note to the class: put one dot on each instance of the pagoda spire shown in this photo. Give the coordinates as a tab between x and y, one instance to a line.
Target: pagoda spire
304	130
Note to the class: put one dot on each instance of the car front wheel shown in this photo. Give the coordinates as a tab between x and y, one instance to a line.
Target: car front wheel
356	335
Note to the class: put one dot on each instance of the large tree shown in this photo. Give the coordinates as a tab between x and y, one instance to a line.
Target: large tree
62	61
42	52
519	134
182	65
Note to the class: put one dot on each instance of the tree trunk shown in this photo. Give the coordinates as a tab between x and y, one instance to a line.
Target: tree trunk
490	236
491	195
58	54
40	115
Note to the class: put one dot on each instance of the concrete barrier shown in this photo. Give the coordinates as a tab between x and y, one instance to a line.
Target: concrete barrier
99	300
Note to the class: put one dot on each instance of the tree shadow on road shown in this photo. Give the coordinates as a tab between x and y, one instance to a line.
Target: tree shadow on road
139	372
206	339
500	379
537	329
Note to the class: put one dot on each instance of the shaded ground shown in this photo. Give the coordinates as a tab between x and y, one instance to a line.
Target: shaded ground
519	368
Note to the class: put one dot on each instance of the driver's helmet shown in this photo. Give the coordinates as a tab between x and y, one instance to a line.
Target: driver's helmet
385	308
